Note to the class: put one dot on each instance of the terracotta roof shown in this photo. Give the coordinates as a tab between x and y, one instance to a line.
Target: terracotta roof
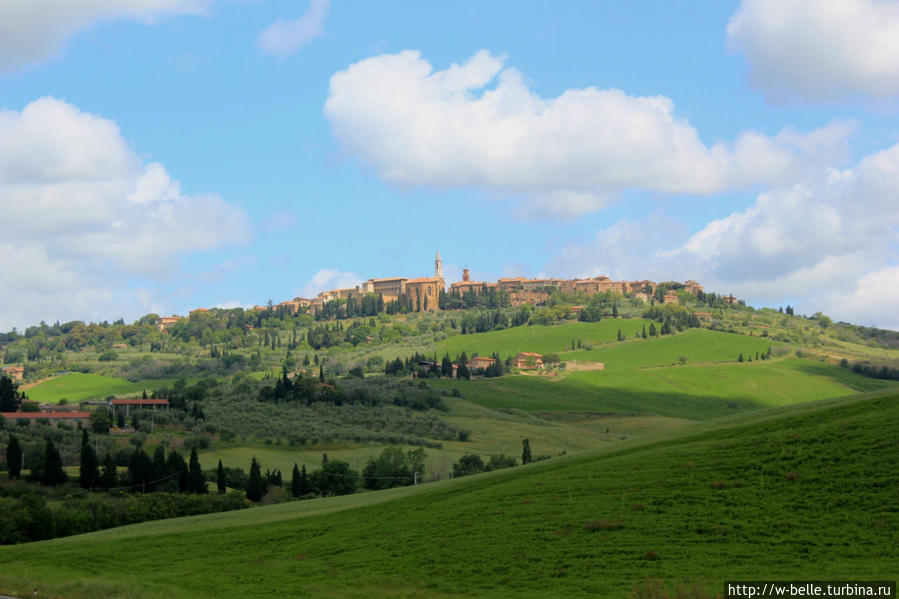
525	353
48	415
424	280
139	402
388	279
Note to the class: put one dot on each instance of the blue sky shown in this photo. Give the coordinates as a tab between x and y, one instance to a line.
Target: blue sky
162	155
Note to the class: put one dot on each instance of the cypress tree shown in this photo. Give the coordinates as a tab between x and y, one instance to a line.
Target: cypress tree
295	482
526	451
108	476
197	483
304	482
14	457
175	465
89	474
53	473
220	478
321	374
255	486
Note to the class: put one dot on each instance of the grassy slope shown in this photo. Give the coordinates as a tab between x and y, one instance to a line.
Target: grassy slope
804	492
696	345
539	339
77	386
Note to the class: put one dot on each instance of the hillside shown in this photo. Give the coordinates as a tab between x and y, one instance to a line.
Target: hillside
802	492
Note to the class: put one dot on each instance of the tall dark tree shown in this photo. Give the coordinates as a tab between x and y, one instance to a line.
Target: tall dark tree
52	474
197	483
255	486
140	471
220	478
175	465
525	451
305	487
159	460
295	482
14	457
9	395
108	478
321	374
89	472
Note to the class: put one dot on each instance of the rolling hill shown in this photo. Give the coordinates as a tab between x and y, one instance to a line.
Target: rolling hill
798	492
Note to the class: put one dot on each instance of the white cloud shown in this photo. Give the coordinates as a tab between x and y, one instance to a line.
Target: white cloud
34	30
287	37
479	124
329	278
84	215
819	49
821	245
873	300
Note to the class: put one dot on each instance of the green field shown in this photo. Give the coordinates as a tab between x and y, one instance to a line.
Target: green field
77	386
538	338
801	492
695	345
695	392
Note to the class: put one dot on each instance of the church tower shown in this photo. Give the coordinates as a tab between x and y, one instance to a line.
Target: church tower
438	266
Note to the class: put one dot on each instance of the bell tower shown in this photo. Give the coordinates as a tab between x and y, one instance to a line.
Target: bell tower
438	266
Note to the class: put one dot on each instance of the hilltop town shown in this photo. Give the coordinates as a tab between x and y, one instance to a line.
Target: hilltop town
431	294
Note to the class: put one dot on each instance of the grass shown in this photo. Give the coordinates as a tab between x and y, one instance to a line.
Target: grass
801	492
78	386
539	339
693	391
696	345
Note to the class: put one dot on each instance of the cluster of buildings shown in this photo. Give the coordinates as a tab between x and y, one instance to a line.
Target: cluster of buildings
521	290
424	292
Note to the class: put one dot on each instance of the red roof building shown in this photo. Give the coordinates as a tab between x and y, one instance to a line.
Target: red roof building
138	403
523	359
53	417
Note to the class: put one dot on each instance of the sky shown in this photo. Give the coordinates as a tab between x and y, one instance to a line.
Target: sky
162	155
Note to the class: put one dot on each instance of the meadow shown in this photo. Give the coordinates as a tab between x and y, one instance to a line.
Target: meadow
539	339
77	386
798	492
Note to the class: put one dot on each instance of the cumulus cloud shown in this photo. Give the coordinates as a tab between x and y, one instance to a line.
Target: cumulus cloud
34	30
819	49
287	37
479	124
873	300
85	217
329	278
823	244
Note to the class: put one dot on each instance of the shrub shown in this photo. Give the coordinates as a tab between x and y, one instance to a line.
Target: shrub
108	356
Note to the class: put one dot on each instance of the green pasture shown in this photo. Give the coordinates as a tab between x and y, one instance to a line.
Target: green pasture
692	391
805	492
539	338
695	345
78	386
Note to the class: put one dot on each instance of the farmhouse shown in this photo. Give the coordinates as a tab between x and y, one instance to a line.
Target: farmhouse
478	363
165	322
528	361
16	373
